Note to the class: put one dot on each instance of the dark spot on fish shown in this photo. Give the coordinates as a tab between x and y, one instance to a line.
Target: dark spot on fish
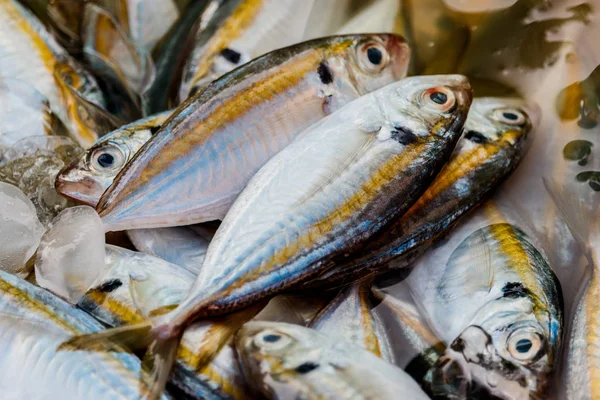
515	290
154	129
109	286
231	55
325	73
271	338
306	367
476	137
403	135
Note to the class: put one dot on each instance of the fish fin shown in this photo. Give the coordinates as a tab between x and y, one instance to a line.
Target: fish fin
130	337
469	267
158	362
158	359
581	221
147	295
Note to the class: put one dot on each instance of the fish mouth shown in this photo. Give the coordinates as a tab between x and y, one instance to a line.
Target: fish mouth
472	368
84	190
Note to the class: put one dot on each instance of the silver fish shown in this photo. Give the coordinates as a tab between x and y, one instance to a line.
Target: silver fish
33	324
337	184
205	154
497	305
287	361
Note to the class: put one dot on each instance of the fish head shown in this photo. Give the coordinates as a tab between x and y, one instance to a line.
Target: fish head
506	122
86	178
278	355
377	60
422	106
509	355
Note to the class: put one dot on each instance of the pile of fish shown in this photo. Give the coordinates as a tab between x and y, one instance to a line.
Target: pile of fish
230	199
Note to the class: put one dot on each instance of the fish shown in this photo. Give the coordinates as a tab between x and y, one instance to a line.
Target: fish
206	152
337	184
28	52
496	304
88	176
581	373
239	31
496	138
295	308
132	286
349	315
33	324
291	361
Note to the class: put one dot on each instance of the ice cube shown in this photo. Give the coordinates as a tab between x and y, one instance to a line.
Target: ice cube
20	230
32	165
71	253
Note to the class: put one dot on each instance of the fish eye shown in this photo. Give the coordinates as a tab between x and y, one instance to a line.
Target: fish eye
373	57
271	340
510	116
525	345
107	158
439	98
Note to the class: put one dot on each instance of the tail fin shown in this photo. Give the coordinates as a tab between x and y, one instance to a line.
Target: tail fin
159	357
581	221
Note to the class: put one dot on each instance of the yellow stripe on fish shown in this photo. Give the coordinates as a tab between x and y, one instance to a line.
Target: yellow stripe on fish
371	341
243	17
277	81
368	191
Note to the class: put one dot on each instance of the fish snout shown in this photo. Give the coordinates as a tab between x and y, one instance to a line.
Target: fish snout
81	189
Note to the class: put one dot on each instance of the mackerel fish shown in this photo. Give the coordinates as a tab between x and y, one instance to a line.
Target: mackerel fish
292	362
491	297
193	168
495	139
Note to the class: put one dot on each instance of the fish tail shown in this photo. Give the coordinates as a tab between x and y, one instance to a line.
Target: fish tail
582	221
160	342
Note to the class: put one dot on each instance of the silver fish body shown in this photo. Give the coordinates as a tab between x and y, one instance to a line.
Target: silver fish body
491	147
202	157
287	361
497	305
34	323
